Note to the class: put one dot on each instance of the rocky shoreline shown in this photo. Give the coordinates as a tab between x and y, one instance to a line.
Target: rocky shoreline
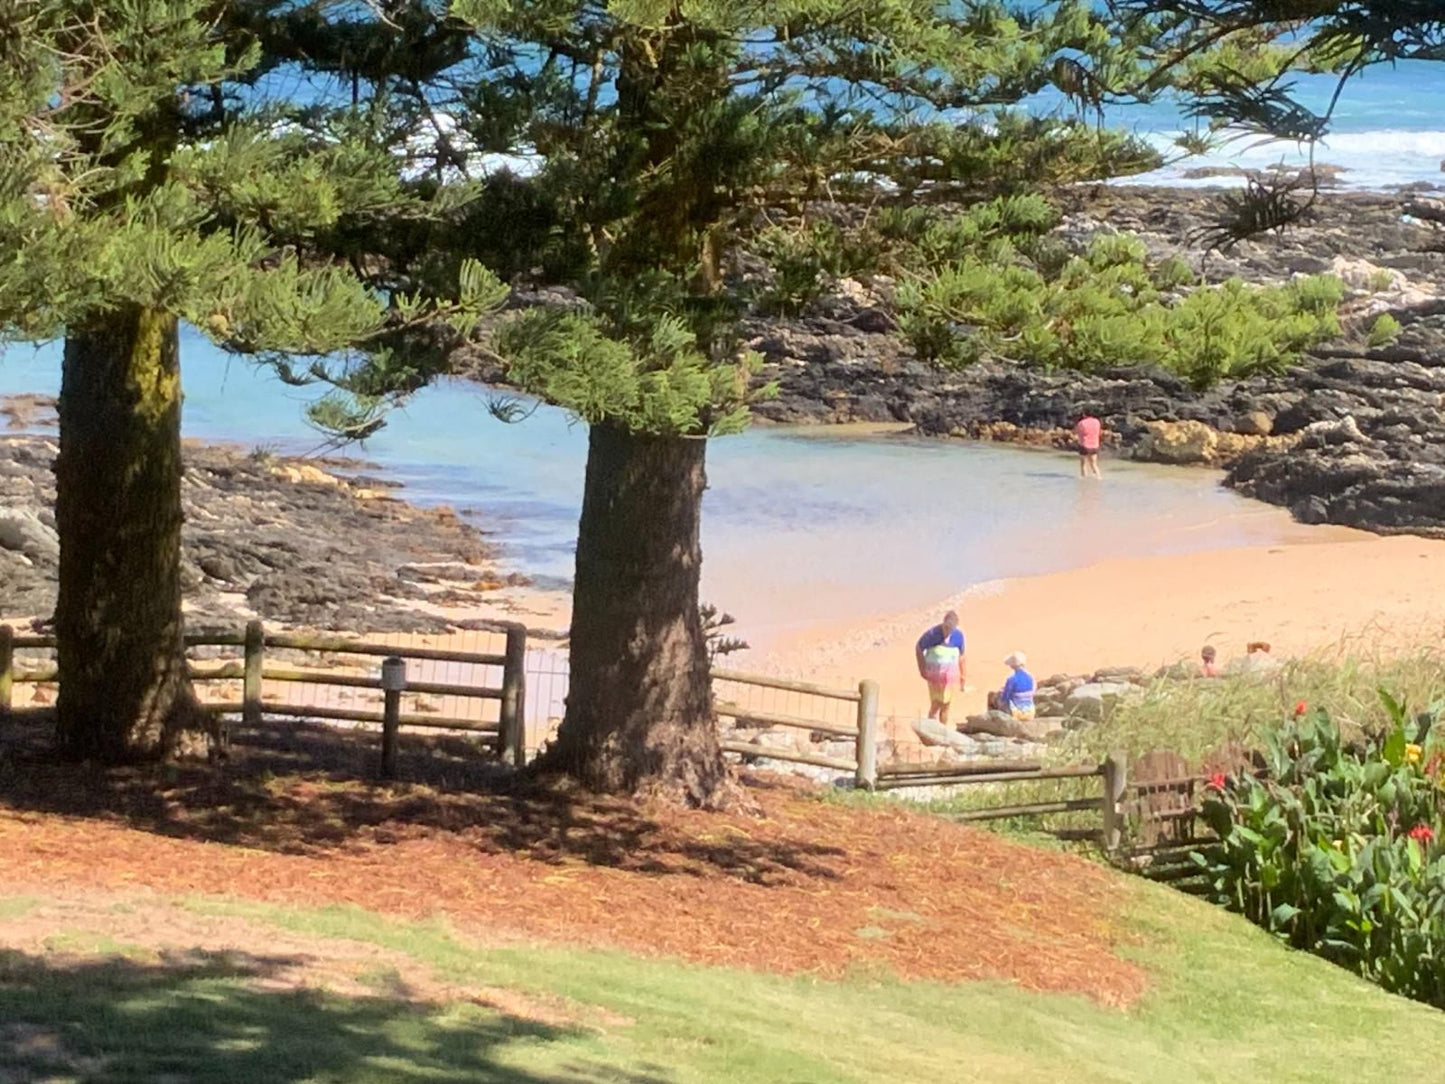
1353	435
297	542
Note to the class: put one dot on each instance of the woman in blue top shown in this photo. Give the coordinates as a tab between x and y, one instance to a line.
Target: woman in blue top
1016	698
941	663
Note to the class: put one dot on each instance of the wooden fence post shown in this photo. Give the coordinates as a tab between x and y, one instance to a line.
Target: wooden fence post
251	680
512	738
866	774
7	666
1115	783
393	682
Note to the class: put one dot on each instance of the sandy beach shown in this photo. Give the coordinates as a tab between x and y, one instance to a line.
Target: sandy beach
1344	591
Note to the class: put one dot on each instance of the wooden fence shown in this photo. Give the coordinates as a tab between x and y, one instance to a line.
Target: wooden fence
1150	823
1109	803
508	731
862	730
253	672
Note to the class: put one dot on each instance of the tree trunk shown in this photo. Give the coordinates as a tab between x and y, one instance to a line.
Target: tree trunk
639	716
124	690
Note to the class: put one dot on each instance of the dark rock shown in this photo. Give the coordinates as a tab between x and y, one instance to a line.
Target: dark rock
297	542
829	370
874	322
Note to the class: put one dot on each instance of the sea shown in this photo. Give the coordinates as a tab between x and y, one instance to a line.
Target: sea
1388	131
805	527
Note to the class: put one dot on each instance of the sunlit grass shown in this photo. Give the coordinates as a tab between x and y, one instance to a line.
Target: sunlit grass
1226	1002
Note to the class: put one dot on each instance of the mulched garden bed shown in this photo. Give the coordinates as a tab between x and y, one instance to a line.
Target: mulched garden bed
804	886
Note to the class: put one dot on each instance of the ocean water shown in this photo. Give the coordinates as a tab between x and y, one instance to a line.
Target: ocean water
1388	130
801	527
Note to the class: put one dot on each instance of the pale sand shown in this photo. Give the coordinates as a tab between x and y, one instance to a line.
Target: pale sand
1347	590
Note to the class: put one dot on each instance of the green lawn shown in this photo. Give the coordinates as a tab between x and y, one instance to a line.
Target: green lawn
1227	1004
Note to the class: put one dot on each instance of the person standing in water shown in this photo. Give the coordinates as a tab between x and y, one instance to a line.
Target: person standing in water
1088	432
940	653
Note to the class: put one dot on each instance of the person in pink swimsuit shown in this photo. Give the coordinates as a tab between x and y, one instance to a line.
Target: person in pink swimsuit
1088	432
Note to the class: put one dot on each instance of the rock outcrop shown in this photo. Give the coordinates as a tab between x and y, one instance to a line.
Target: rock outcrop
845	362
301	543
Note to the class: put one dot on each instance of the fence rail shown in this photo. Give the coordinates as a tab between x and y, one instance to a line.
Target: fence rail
1165	806
254	706
508	730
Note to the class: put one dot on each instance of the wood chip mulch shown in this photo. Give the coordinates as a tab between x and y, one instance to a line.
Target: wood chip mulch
802	886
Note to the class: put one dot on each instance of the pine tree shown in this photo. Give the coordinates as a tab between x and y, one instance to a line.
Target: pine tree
658	132
141	185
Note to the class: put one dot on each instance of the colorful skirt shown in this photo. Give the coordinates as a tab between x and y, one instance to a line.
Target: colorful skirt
940	670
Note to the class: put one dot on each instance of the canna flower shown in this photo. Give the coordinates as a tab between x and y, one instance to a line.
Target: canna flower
1216	781
1412	754
1422	834
1300	707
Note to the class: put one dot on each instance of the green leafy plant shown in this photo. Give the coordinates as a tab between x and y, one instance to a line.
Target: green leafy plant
1384	330
1024	296
1337	851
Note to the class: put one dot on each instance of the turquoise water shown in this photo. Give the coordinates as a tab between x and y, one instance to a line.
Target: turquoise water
1388	129
800	526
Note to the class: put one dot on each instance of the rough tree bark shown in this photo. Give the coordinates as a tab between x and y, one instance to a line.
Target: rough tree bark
639	716
124	690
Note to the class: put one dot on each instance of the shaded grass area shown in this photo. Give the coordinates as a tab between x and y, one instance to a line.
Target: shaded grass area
1226	1003
201	1017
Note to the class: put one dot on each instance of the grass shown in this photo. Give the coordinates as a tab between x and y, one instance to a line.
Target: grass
1195	718
1226	1003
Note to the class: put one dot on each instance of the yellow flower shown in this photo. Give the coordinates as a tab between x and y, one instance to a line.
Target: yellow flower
1412	754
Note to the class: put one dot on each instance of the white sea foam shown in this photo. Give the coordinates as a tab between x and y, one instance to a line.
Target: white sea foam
1371	160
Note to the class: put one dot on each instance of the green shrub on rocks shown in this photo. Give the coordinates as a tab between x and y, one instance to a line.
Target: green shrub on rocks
1338	851
1384	330
994	279
1112	307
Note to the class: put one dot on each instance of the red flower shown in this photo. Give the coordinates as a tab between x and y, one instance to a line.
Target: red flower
1300	708
1422	833
1217	780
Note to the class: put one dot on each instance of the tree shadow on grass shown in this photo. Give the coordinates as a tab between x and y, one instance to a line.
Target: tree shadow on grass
308	789
208	1017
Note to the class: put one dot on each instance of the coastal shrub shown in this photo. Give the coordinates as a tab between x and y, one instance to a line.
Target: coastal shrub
932	338
1338	850
799	260
1108	250
806	259
994	279
1105	310
1196	717
1381	279
1384	330
1172	273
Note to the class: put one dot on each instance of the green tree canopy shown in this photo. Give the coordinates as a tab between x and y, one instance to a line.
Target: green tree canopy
141	185
659	136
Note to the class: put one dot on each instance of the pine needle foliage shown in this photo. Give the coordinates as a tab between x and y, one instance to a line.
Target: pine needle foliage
976	287
135	171
656	131
1236	61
